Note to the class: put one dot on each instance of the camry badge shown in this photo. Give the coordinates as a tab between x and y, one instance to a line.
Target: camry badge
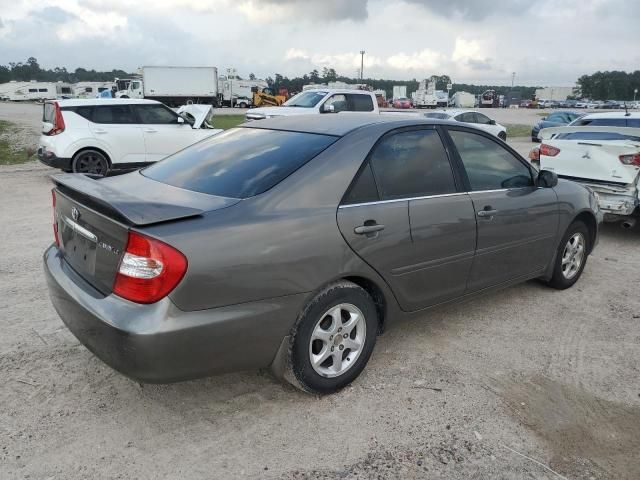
75	214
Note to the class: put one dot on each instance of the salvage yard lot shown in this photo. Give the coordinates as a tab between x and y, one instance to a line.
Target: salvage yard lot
455	393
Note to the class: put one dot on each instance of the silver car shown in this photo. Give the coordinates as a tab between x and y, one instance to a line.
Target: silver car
291	243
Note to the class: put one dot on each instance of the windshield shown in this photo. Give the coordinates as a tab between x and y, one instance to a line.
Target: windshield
239	163
305	99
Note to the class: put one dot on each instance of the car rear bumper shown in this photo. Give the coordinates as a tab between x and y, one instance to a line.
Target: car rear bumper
49	159
159	343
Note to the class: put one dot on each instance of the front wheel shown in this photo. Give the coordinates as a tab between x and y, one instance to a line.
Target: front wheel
571	256
333	339
90	161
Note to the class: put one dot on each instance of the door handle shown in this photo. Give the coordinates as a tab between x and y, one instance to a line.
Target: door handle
100	131
487	212
367	229
150	130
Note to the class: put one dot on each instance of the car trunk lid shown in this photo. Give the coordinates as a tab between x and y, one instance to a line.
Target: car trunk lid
94	216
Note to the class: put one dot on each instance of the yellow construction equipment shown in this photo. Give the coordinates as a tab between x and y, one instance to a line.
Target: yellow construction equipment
267	98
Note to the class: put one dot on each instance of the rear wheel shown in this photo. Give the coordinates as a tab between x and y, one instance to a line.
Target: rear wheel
90	161
333	339
571	256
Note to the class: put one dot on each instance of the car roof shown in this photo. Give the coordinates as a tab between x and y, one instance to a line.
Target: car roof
338	90
79	102
620	114
340	124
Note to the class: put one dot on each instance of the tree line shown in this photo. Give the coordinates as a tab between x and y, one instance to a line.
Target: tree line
616	85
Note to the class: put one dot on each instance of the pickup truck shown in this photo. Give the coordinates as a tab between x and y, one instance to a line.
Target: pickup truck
322	100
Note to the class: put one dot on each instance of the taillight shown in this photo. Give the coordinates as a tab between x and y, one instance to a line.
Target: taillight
55	223
58	121
149	269
632	159
548	150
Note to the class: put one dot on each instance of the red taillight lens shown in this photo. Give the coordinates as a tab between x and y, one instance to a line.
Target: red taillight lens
58	121
632	159
55	222
149	269
548	150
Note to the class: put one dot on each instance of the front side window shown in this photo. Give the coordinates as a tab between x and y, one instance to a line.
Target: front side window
135	85
156	114
116	114
412	164
339	103
481	118
489	165
240	162
467	117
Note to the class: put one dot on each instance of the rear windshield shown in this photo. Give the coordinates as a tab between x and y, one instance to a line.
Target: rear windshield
239	163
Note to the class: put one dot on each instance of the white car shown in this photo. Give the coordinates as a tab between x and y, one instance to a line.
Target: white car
601	151
323	100
472	117
98	135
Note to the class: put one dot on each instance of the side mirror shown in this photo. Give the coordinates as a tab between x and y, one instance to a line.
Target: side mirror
328	108
180	120
492	122
547	179
543	118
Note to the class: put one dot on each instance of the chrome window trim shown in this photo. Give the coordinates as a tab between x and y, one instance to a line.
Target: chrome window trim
408	199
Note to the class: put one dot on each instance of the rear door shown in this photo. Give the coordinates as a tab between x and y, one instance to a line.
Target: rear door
517	222
163	135
116	130
404	216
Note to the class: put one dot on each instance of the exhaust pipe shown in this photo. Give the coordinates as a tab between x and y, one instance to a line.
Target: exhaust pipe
628	223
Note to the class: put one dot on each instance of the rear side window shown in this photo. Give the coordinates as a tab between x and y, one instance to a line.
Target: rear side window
84	112
120	114
156	114
601	122
412	164
363	188
360	103
489	165
239	163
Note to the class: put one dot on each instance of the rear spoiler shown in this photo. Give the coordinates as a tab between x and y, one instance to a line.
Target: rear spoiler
117	204
548	133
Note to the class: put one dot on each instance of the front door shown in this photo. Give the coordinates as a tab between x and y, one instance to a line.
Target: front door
517	222
406	218
163	133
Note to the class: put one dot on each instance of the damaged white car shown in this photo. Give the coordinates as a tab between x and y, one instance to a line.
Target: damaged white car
100	135
604	158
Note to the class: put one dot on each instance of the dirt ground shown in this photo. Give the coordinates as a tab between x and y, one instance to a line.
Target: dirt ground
526	383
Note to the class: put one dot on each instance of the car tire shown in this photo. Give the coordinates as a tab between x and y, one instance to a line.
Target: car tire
571	256
339	318
503	136
90	161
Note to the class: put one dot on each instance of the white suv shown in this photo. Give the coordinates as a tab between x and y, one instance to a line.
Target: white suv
98	135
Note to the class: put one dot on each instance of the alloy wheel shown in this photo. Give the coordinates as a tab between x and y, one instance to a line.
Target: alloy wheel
90	163
337	340
573	255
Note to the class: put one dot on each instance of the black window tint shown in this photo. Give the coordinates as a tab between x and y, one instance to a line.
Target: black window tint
363	188
84	112
240	162
602	122
156	114
113	114
412	164
468	117
489	166
596	136
88	89
360	103
43	90
33	90
481	118
441	116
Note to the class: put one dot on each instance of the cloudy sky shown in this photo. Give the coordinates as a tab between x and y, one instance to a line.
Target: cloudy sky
546	42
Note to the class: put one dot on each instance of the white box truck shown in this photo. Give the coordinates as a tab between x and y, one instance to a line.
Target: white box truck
399	91
173	85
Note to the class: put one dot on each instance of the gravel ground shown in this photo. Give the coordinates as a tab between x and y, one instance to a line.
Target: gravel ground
467	391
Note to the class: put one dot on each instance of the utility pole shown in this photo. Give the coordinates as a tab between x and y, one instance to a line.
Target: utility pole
513	79
362	52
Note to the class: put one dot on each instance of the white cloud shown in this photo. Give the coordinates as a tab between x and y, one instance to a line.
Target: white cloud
424	60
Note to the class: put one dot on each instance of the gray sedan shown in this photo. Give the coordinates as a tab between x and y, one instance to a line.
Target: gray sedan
293	242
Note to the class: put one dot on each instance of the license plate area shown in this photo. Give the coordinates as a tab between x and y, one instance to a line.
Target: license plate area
79	245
